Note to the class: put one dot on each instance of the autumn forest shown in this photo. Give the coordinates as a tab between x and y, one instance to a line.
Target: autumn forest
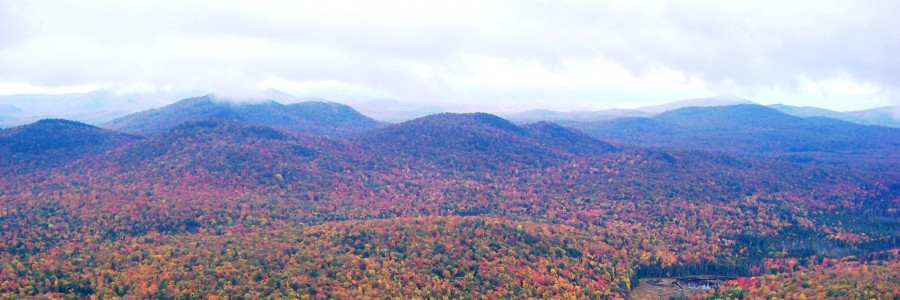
204	199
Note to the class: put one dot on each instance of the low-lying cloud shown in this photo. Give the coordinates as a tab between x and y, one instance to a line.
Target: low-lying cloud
574	55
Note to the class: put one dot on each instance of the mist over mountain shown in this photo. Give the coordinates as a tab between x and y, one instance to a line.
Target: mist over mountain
93	108
583	116
809	111
699	102
449	150
883	116
9	109
390	110
318	118
7	121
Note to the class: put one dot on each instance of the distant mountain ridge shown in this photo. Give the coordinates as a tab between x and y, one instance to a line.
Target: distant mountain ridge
92	108
617	113
810	111
883	116
749	129
104	106
9	109
584	116
316	118
726	100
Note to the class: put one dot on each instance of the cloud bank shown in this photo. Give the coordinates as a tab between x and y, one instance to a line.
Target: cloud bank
478	54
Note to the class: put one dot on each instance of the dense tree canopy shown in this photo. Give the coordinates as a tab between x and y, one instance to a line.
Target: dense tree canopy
453	205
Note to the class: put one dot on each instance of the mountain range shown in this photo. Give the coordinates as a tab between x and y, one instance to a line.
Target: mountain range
883	116
103	106
207	197
94	107
610	114
743	129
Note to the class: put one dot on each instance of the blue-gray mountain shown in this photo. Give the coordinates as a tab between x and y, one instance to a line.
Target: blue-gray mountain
755	130
315	118
884	116
52	142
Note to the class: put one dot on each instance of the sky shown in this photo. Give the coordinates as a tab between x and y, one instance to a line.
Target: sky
462	55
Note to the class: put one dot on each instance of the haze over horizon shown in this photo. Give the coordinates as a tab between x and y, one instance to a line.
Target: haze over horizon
478	56
697	149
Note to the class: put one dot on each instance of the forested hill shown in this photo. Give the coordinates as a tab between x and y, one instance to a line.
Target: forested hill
52	142
446	205
477	140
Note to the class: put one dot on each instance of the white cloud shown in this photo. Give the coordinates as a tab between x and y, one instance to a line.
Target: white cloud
571	54
13	88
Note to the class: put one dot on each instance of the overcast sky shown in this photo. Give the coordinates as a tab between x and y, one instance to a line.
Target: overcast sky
481	55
